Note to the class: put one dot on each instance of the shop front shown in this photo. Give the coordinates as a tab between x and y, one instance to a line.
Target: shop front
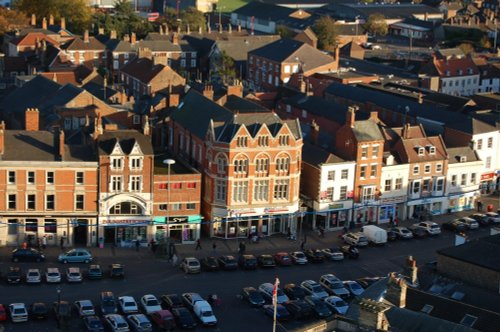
364	213
426	206
181	229
390	208
333	216
124	232
462	201
488	183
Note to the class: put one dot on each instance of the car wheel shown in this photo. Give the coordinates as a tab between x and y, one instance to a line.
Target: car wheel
65	261
86	261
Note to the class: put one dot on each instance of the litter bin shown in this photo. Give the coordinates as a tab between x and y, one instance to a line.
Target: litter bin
490	207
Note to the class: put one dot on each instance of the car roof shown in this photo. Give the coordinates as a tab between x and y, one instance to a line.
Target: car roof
191	259
250	288
73	269
310	282
164	313
116	317
151	296
18	304
107	294
140	317
126	297
52	269
84	302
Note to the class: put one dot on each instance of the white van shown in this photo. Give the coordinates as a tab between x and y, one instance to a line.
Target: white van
374	234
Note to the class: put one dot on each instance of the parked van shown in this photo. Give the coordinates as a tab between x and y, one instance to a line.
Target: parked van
374	234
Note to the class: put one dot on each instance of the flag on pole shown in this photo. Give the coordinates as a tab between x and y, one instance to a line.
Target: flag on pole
275	289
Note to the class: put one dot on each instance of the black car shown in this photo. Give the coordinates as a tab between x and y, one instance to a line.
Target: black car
171	301
319	306
62	310
350	251
94	272
391	235
27	255
299	309
228	262
315	255
418	232
455	226
116	271
266	261
93	324
482	219
209	263
247	262
183	318
253	296
294	292
108	303
39	310
14	275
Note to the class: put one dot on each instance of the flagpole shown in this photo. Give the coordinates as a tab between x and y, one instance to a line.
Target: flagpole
275	301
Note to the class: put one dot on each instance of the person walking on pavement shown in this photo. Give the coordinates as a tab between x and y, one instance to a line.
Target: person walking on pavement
198	245
61	242
44	242
137	245
479	206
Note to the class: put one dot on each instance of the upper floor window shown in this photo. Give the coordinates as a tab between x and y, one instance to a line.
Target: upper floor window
241	166
242	142
31	177
398	185
364	152
375	150
439	167
283	164
50	177
427	168
135	183
11	177
50	202
479	145
280	191
432	149
283	140
79	202
117	163
11	201
31	202
262	165
362	172
373	171
331	175
263	140
416	169
240	191
368	194
221	164
344	174
116	183
490	142
136	163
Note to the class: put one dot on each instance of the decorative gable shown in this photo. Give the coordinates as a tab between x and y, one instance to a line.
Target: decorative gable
117	150
136	150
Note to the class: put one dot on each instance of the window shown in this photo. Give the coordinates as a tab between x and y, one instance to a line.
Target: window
116	183
79	201
183	63
31	202
190	206
241	166
375	151
221	165
343	192
261	190
398	185
176	206
439	167
193	63
174	185
416	169
31	177
220	190
50	202
11	202
50	226
31	225
329	193
241	142
439	185
135	183
287	69
304	114
473	178
488	162
368	194
282	164
283	140
479	145
13	227
262	165
388	185
454	180
240	191
373	171
280	189
490	142
136	163
421	151
191	185
117	163
364	152
12	177
79	177
344	174
331	175
162	207
136	119
50	178
463	180
263	141
427	168
362	172
416	187
432	149
426	185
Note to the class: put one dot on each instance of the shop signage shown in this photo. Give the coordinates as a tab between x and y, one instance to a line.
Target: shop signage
125	221
335	206
276	210
487	176
396	199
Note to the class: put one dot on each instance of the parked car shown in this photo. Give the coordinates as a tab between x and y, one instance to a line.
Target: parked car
283	259
247	262
350	251
27	255
391	235
319	306
53	275
228	262
266	289
139	323
294	292
333	254
33	276
93	324
252	296
298	257
375	234
299	309
163	319
209	263
266	261
481	218
73	274
493	217
282	313
116	271
455	226
418	232
336	304
315	255
190	265
470	223
14	275
3	313
62	310
430	227
183	318
150	304
94	272
84	308
18	312
313	288
108	303
356	239
190	299
353	287
402	232
75	256
171	301
367	281
116	323
334	285
39	310
127	305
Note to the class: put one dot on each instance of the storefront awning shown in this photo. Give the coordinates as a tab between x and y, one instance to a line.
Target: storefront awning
194	219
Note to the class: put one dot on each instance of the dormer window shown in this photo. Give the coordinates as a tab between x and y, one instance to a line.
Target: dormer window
432	149
284	140
263	140
447	73
469	71
463	159
459	71
420	150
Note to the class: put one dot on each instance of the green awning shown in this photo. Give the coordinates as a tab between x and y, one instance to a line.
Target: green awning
193	219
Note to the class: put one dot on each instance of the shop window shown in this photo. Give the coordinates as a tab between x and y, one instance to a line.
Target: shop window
79	202
31	177
12	227
31	202
50	226
12	202
50	201
31	225
190	206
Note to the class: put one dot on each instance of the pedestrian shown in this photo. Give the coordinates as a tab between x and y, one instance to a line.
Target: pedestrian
321	232
39	243
391	220
288	233
137	244
198	245
44	242
61	242
153	245
214	248
479	206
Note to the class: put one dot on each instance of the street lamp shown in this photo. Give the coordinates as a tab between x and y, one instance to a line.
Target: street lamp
58	295
168	162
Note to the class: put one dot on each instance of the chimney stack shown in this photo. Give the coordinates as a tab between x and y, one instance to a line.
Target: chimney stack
100	31
396	290
161	29
133	38
51	19
235	89
208	92
32	118
178	29
165	29
209	29
44	23
175	38
33	19
411	269
63	23
61	144
173	99
188	29
314	132
146	130
126	38
2	137
406	130
350	116
86	36
220	28
372	315
112	34
374	115
97	127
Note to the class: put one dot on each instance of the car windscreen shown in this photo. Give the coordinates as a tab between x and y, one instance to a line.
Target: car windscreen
340	303
121	325
151	303
207	313
129	304
337	285
356	287
144	324
19	311
434	226
87	308
193	263
316	288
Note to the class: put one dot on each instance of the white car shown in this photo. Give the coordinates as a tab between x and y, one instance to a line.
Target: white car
116	323
402	232
33	276
334	285
53	275
150	304
492	217
299	257
84	308
430	227
18	312
128	305
190	265
266	289
357	239
336	304
353	287
312	288
333	254
73	274
471	223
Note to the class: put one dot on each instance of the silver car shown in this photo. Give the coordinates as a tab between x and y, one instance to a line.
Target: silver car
73	274
53	275
190	265
33	276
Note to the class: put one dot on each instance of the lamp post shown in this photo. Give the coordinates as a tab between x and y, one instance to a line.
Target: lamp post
168	162
58	289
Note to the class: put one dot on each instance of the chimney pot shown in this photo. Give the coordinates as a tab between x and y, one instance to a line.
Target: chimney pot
175	37
133	38
86	36
351	116
100	31
112	34
61	144
374	115
44	23
314	132
63	23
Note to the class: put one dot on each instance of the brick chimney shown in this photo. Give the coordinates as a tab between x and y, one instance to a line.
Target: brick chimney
63	23
61	144
314	132
229	28
100	31
411	269
2	137
32	118
44	23
146	130
374	115
97	127
51	19
372	315
396	290
33	20
406	130
133	38
235	89
350	117
173	99
86	36
175	38
208	92
112	34
166	31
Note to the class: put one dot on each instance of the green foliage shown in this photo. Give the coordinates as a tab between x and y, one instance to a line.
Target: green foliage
226	67
466	48
11	20
485	42
190	16
284	31
327	33
376	24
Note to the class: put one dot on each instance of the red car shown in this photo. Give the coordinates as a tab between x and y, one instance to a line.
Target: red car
163	319
283	259
3	313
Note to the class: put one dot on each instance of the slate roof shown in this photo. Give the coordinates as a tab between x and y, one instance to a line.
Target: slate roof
319	106
454	154
145	70
315	155
63	96
427	25
242	105
367	130
411	153
126	138
472	126
390	11
78	44
98	90
120	46
238	47
21	145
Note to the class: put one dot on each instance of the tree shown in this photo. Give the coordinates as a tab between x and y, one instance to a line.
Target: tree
284	31
327	32
76	12
193	17
11	20
485	42
376	24
226	67
467	48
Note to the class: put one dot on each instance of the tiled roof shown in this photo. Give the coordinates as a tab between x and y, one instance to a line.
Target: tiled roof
315	155
31	38
410	146
78	44
73	75
238	47
454	154
472	126
454	67
319	107
127	140
145	70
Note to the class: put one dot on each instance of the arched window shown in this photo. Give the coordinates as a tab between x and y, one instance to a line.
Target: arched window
221	162
241	166
283	165
126	208
262	166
